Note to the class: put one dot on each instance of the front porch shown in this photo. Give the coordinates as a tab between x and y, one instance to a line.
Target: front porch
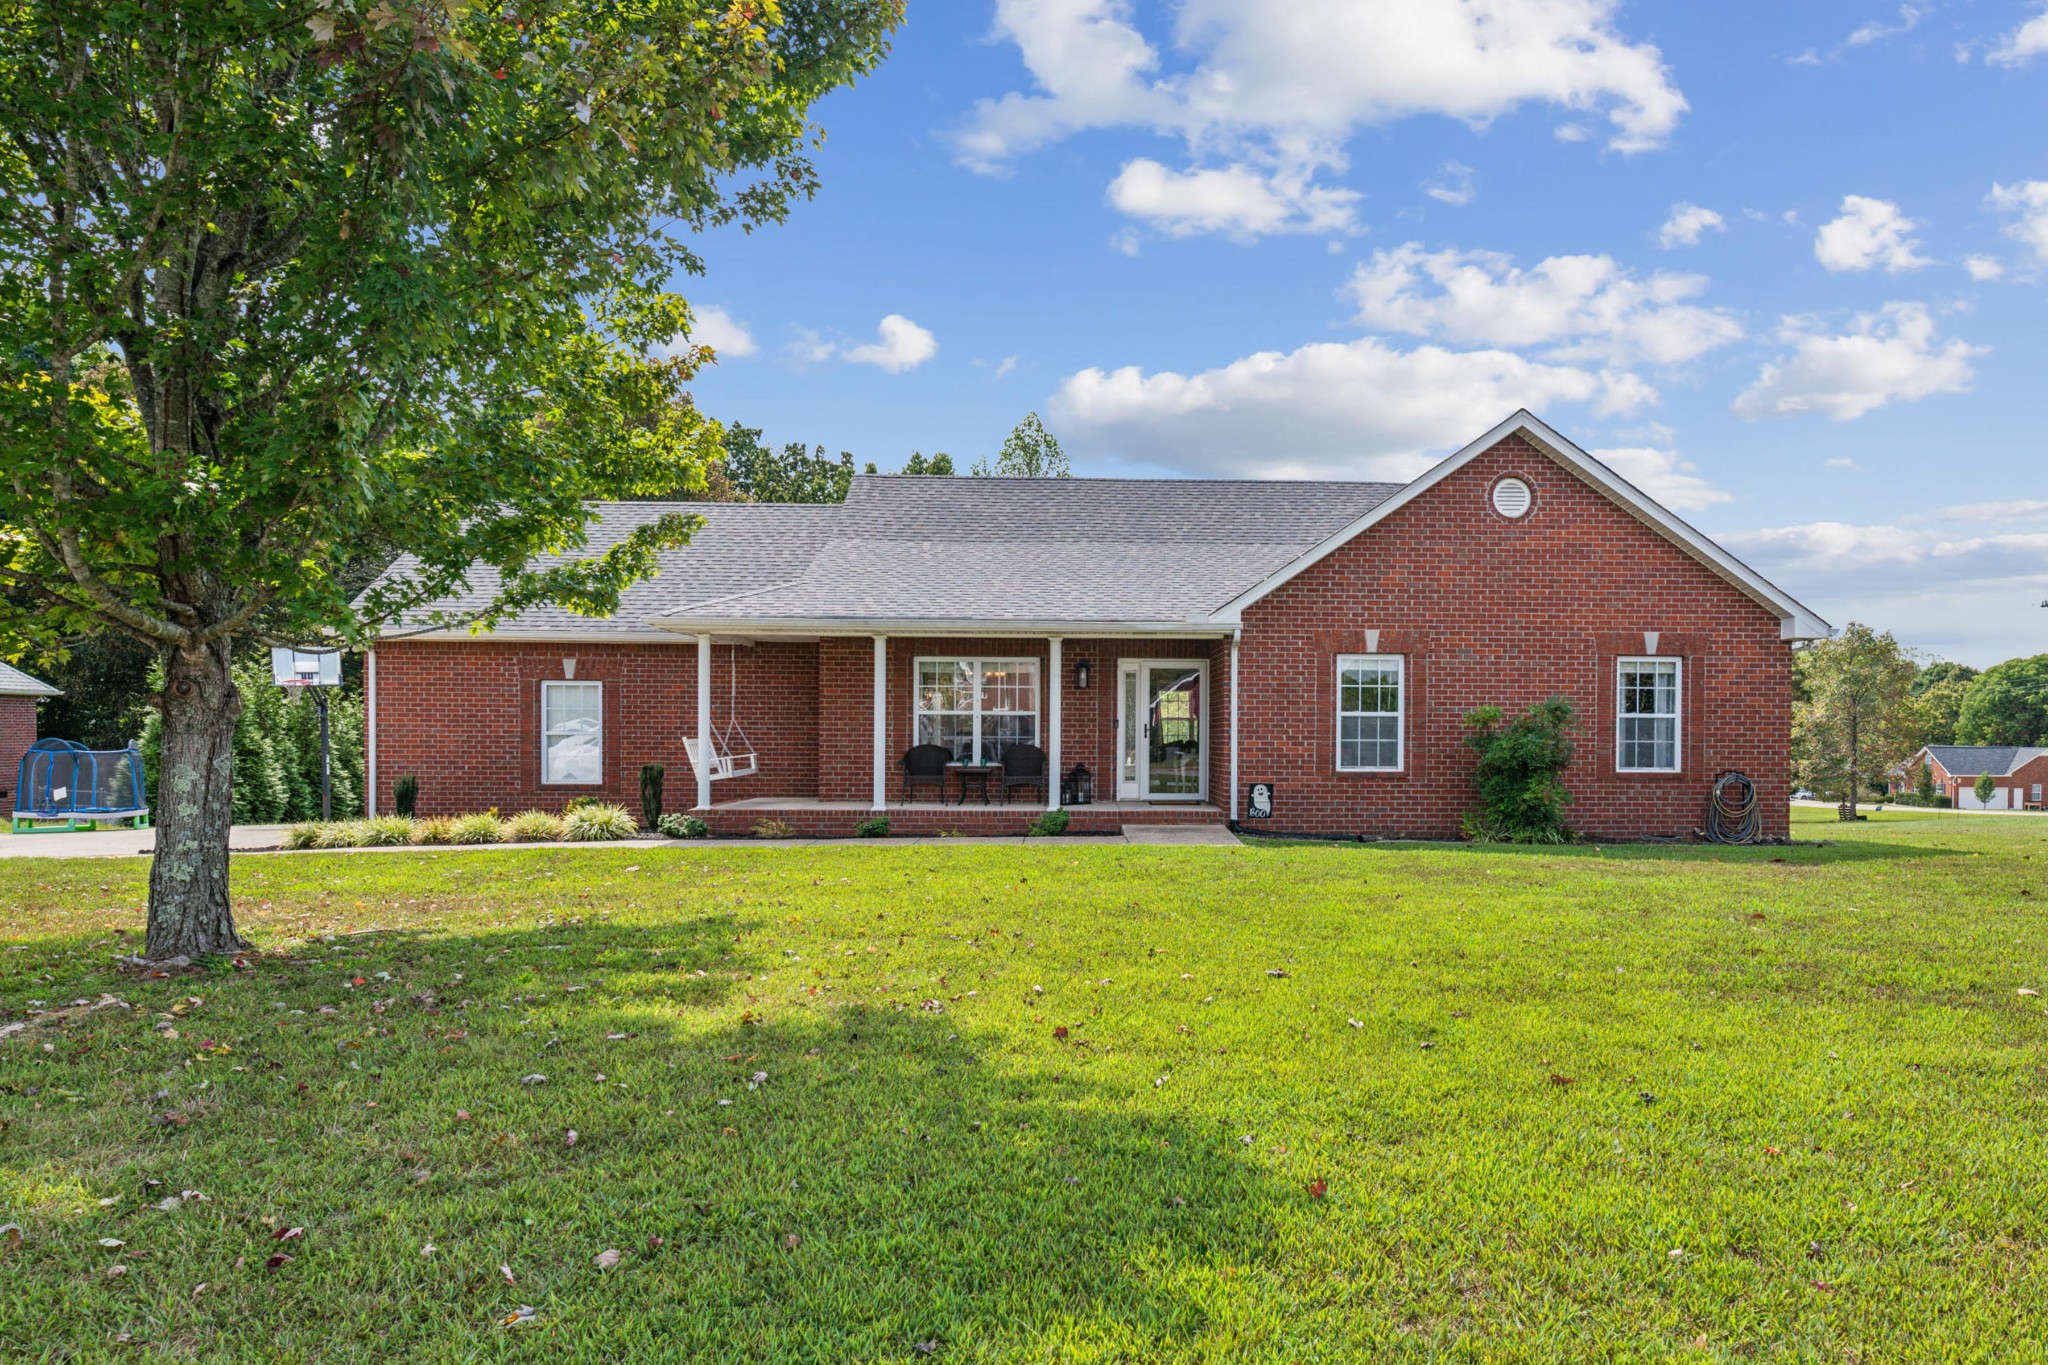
1148	716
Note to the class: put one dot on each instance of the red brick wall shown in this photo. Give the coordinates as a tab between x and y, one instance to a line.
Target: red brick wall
1492	611
17	732
465	716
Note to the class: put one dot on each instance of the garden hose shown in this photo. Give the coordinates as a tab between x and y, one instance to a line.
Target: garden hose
1733	814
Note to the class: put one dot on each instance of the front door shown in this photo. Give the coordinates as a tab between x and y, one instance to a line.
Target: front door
1162	730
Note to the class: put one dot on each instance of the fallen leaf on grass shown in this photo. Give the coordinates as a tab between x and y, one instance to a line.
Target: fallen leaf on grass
10	1236
112	1242
1318	1189
524	1313
462	1116
2028	990
535	1079
278	1258
287	1234
570	1139
506	1271
1278	971
115	1272
792	1242
655	1243
1559	1079
1060	1032
605	1260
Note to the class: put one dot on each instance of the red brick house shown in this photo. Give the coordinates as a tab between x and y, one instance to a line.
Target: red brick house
2019	772
1298	656
19	694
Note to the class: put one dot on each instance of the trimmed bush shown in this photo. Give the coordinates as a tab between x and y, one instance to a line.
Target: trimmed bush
533	827
651	777
478	829
877	828
599	822
301	835
1052	822
405	794
768	827
435	829
683	827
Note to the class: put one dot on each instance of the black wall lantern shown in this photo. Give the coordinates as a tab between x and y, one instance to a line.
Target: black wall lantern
1081	676
1079	787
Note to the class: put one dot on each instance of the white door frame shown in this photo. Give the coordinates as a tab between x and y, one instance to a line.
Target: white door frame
1124	669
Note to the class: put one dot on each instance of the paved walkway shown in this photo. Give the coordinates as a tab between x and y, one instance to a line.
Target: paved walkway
128	843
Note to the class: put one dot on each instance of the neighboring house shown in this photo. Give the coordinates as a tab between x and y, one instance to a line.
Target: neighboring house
2021	773
19	694
1193	643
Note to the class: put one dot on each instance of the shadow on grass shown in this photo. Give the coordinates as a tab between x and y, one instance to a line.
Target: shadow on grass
788	1176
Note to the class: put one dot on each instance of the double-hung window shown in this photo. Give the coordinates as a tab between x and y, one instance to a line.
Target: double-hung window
1646	716
572	733
977	708
1370	691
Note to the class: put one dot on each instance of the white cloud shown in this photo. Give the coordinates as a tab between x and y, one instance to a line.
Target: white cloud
1909	19
1282	85
1891	356
1361	409
1842	462
1578	307
722	332
1007	367
2023	509
1869	233
1968	594
2023	44
1662	474
1451	185
2028	201
1686	223
899	345
1983	268
810	348
1240	201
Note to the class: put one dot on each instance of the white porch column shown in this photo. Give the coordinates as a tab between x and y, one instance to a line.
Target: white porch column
704	746
1055	689
1233	729
881	722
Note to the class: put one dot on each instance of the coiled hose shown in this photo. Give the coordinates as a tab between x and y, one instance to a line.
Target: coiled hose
1733	816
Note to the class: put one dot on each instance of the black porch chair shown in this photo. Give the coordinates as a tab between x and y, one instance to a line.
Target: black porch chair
925	766
1024	766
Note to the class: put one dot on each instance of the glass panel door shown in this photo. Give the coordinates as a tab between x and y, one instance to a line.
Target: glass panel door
1173	730
1129	722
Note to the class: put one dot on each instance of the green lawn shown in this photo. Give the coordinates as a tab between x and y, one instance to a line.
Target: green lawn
1051	1103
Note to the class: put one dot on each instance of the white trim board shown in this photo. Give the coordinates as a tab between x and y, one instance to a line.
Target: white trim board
1796	620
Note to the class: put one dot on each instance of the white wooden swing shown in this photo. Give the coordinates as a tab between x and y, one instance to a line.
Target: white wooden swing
732	753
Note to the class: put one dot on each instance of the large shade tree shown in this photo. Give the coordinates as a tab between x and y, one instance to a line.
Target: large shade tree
1855	716
283	282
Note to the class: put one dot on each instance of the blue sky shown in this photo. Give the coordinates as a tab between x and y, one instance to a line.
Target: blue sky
1784	266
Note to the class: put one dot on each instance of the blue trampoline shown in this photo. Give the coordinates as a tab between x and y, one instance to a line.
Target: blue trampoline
65	781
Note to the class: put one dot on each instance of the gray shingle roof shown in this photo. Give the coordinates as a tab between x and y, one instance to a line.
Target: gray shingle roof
15	683
1973	760
947	549
741	547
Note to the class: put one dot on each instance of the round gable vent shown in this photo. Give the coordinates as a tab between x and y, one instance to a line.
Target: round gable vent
1511	498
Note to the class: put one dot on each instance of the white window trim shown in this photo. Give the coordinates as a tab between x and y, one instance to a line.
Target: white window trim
565	682
1400	713
979	664
1677	717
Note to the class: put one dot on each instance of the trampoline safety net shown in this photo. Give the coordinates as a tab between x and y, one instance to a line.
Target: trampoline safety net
64	780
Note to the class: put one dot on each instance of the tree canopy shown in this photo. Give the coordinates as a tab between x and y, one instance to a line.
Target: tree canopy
1029	452
2008	704
1855	716
285	283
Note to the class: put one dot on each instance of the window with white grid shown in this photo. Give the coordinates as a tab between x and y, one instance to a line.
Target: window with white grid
1369	709
1647	716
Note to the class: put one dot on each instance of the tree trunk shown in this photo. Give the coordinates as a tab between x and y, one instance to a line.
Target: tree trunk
189	910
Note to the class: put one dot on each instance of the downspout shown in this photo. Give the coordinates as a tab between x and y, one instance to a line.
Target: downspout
1234	637
370	747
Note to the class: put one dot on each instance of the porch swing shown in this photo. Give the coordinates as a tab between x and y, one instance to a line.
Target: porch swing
732	753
